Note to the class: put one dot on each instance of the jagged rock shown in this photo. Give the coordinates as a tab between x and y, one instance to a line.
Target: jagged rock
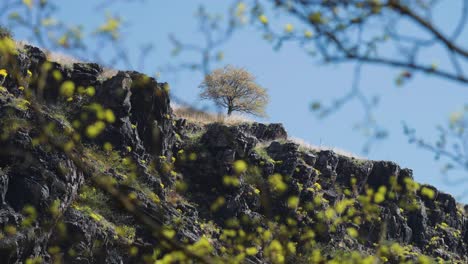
151	112
286	154
36	56
398	228
417	221
330	170
309	158
182	175
115	94
326	164
221	137
303	173
83	236
465	237
381	173
349	168
265	132
46	178
85	74
3	186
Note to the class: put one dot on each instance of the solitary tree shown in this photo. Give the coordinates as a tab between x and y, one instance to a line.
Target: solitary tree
236	90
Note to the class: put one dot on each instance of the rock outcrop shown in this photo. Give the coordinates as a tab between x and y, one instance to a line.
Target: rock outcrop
96	170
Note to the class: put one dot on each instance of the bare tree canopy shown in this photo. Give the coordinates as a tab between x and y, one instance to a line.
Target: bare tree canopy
235	89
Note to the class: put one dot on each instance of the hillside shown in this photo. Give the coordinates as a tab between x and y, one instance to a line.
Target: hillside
98	169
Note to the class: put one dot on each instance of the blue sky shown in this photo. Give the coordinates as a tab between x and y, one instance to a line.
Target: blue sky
294	80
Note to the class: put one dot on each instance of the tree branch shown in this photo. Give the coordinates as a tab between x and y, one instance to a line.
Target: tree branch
395	4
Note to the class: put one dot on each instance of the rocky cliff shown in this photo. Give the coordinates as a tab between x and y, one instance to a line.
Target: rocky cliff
97	169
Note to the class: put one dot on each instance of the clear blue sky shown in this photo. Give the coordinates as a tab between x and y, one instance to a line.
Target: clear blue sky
294	80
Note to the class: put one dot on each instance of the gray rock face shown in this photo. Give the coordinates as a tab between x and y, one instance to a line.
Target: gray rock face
177	170
45	178
219	138
265	132
334	173
85	74
3	186
35	177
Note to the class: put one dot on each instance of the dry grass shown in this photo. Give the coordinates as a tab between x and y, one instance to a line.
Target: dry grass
60	58
304	144
67	61
21	43
203	118
107	73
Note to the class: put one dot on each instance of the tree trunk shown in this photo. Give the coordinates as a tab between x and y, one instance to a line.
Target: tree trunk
229	111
